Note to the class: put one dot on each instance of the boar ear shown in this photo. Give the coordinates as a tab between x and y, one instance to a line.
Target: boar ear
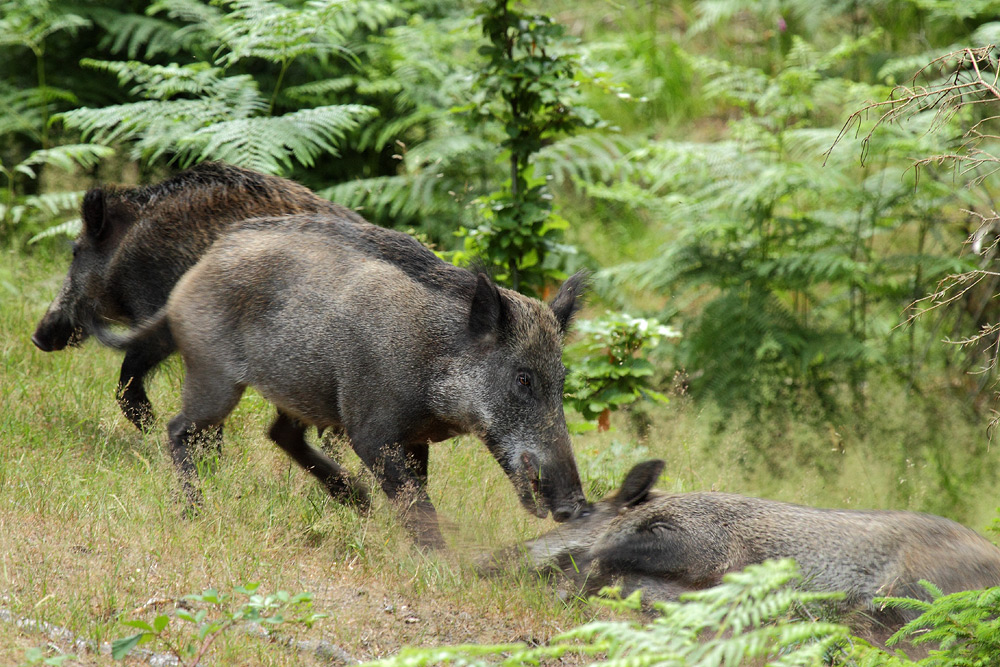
488	315
639	480
567	301
106	215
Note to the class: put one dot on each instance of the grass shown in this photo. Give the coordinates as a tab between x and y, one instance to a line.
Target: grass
92	533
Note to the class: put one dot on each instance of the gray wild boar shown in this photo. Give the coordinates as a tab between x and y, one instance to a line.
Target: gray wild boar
669	544
361	328
137	242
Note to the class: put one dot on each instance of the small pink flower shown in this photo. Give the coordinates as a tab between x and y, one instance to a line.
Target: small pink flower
782	26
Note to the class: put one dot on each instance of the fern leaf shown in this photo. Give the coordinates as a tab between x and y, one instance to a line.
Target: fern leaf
270	143
446	149
317	90
28	23
273	32
588	158
194	12
69	228
68	157
22	112
54	203
162	82
139	36
348	17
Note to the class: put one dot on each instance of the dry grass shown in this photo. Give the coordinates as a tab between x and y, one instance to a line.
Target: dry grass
92	534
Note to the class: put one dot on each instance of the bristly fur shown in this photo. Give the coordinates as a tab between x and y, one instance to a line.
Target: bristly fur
137	242
669	544
347	325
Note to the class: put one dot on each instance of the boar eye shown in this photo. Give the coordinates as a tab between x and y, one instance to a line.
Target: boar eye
523	379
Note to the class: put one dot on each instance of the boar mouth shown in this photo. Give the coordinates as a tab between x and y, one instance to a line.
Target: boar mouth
76	337
531	486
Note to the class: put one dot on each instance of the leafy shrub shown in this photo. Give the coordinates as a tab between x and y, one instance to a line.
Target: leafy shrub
199	628
608	366
528	86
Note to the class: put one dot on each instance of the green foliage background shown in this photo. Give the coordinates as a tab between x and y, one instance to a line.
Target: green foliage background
704	197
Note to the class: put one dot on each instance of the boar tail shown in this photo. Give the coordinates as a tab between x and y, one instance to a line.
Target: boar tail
122	340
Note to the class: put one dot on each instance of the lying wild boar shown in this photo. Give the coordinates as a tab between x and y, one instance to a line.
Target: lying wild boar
137	242
356	327
669	544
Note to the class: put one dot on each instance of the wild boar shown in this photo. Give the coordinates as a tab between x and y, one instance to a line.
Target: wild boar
669	544
352	326
135	244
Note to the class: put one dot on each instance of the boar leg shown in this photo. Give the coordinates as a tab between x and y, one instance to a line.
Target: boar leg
132	398
182	433
289	434
208	398
140	358
402	473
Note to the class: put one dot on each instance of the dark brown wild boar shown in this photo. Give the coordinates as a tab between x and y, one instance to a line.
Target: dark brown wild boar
137	242
669	544
352	326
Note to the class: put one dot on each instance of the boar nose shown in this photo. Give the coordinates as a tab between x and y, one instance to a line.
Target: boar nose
39	343
43	344
572	511
52	333
561	514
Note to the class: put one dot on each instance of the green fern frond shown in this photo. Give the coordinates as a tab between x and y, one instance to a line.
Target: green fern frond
712	13
392	197
224	124
193	12
964	626
588	158
812	143
269	144
66	157
28	23
739	85
691	633
631	195
273	32
69	228
163	82
318	90
140	36
447	149
381	135
348	17
153	123
22	111
379	87
54	203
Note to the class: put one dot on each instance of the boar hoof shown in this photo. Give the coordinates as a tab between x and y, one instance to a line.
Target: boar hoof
140	414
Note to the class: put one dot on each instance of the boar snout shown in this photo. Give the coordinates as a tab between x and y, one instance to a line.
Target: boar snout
577	507
551	488
54	333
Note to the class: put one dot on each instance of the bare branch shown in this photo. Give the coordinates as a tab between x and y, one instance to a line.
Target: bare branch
955	80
